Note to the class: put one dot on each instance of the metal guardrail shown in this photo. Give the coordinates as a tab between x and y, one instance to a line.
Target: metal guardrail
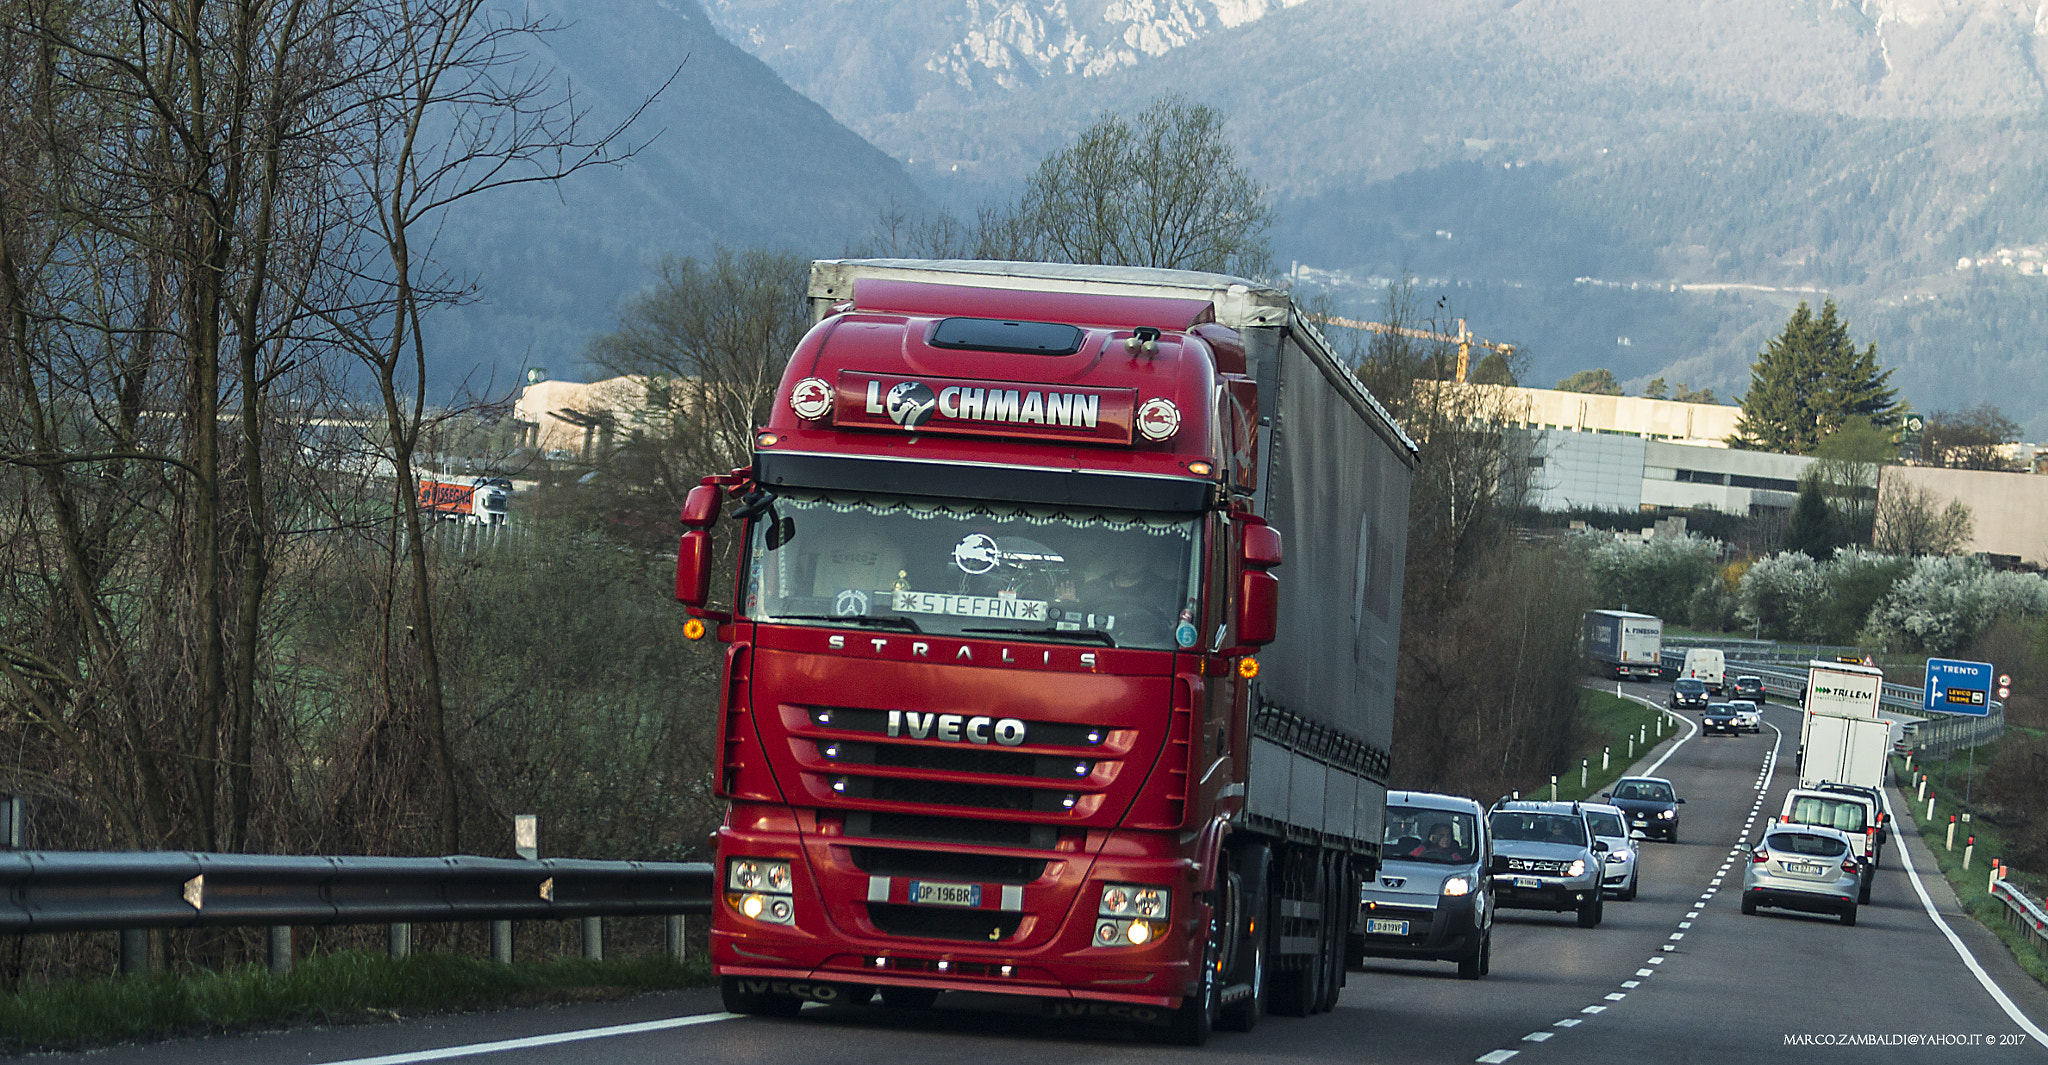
2022	913
49	891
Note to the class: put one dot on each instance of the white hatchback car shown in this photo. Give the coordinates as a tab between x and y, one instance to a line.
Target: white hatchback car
1610	826
1747	718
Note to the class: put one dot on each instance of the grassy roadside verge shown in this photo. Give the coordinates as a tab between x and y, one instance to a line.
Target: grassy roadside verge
349	987
1606	721
1972	885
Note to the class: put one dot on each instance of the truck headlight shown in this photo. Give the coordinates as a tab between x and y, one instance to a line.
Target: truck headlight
1132	915
1456	886
1148	901
760	889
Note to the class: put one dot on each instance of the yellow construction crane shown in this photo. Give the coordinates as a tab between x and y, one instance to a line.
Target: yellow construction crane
1463	338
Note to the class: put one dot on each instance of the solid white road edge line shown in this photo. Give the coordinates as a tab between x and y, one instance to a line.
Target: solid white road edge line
551	1039
1969	960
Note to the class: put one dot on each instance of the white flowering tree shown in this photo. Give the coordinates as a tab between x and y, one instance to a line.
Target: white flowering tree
1946	601
1655	576
1776	591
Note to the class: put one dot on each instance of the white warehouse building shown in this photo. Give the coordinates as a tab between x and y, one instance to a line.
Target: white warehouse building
1621	471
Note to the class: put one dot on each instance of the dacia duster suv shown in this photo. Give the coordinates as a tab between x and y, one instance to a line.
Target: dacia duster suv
1546	858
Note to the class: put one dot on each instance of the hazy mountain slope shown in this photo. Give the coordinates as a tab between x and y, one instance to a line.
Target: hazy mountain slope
736	156
1648	186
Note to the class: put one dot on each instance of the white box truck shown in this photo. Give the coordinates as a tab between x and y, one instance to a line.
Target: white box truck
1623	644
1838	689
1843	750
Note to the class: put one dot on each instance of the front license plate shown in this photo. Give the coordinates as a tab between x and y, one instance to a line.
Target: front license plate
1528	881
1377	927
1801	867
929	893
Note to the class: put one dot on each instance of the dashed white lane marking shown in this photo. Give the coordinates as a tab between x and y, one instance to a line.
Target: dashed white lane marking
1537	1037
1685	924
1656	961
1616	996
1568	1022
1631	983
1594	1009
1497	1056
553	1039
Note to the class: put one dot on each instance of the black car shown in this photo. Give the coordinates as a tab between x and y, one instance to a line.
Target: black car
1650	803
1750	688
1687	693
1719	719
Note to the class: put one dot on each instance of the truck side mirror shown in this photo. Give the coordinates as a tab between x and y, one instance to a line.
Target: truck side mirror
700	507
693	568
1258	600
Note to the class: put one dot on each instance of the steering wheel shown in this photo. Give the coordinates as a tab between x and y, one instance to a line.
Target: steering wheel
1133	608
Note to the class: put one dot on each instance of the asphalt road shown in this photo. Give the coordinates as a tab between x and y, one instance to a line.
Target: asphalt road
1678	975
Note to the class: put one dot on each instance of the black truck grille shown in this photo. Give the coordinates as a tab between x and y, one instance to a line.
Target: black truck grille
932	922
947	865
922	828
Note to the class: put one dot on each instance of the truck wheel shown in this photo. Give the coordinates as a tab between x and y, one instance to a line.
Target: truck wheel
1294	989
1251	875
1590	912
909	998
757	1003
1196	1017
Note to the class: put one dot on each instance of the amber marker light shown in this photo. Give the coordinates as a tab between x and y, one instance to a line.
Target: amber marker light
1247	667
1201	469
694	628
766	440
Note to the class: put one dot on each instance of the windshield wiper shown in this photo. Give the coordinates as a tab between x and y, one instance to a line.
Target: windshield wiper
903	624
1086	634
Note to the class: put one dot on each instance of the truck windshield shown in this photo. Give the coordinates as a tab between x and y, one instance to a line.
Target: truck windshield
977	569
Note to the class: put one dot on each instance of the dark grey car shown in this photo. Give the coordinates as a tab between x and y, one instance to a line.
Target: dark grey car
1546	858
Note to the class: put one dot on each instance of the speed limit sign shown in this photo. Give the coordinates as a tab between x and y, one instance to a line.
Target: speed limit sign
2004	692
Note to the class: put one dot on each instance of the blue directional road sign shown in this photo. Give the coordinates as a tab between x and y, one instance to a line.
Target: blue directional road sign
1958	687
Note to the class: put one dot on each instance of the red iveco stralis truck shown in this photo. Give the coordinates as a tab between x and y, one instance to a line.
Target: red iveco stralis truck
1018	695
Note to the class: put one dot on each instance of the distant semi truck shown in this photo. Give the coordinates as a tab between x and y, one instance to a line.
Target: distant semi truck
478	501
1624	644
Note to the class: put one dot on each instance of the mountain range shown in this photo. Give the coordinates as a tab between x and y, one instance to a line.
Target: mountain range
1648	187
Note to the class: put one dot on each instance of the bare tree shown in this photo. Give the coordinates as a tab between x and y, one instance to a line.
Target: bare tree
1973	438
1911	520
708	344
453	109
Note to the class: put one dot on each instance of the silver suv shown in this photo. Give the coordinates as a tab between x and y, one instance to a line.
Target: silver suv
1546	858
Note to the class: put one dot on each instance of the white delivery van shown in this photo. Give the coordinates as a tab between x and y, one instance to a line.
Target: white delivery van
1706	666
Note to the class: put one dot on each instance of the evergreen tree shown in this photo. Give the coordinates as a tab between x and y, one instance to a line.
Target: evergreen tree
1811	531
1655	389
1808	381
1599	382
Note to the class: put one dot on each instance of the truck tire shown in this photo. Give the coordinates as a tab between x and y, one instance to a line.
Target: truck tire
756	1003
1336	930
1195	1019
1294	985
1253	870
